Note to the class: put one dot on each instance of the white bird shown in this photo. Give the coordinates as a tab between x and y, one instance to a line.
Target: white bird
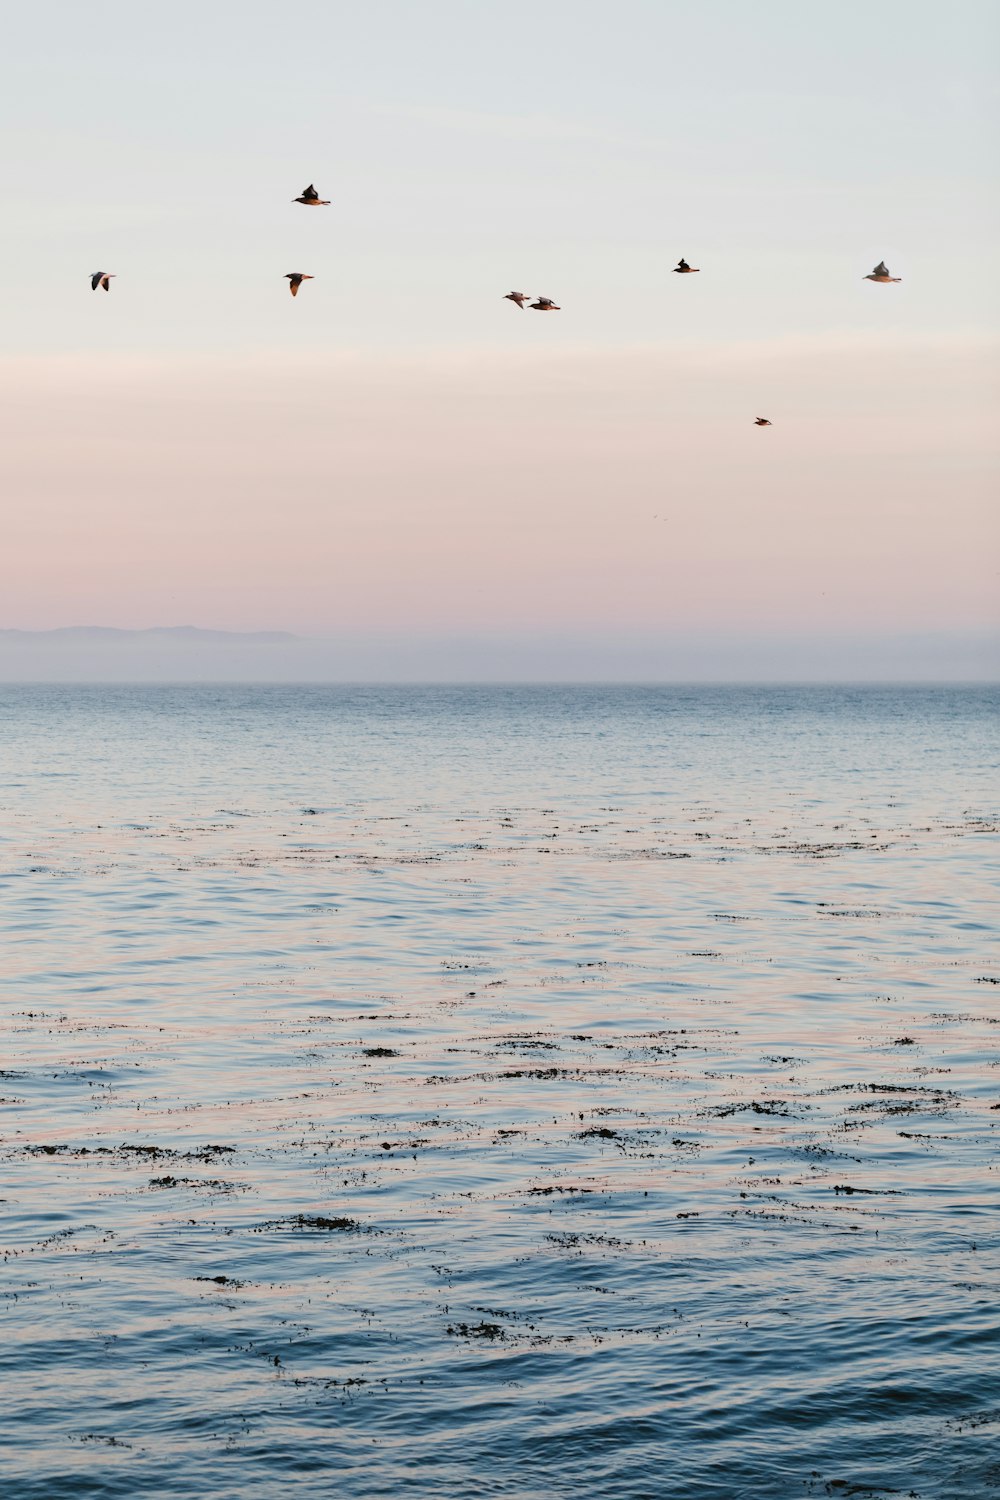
101	278
881	273
311	198
519	297
295	280
545	304
682	268
763	422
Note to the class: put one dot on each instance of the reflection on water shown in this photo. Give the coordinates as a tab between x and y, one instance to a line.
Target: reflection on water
499	1091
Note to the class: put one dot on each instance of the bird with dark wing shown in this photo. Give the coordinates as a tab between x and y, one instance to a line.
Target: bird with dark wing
545	304
311	198
101	278
881	273
763	422
295	280
683	269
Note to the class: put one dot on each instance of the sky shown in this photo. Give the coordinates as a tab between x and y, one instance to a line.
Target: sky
398	454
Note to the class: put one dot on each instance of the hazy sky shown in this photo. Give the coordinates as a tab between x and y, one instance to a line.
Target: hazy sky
399	449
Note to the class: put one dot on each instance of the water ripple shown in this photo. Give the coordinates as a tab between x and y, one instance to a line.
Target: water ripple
545	1091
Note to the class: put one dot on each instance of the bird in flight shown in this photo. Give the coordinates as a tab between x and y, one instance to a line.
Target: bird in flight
519	297
101	278
881	273
295	280
311	198
763	422
682	268
545	304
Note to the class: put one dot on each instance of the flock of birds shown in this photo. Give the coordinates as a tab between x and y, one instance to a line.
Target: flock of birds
310	198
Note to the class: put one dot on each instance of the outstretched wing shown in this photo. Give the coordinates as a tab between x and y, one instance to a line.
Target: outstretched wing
95	280
881	269
310	192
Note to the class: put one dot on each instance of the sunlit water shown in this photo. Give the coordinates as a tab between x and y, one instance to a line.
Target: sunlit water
504	1092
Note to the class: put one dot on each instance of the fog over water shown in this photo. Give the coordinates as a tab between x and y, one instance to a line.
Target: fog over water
512	1091
362	654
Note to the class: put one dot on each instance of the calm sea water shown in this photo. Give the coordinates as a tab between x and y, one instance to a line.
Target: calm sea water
495	1091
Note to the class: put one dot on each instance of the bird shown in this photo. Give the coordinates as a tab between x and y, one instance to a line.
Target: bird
295	280
682	268
545	304
763	422
519	297
101	278
311	198
881	273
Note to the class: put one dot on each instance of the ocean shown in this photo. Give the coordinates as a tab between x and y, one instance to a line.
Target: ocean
499	1091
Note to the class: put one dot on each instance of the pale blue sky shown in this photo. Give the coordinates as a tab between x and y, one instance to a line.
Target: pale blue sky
401	452
577	148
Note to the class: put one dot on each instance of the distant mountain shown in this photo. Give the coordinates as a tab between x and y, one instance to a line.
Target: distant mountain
166	653
112	635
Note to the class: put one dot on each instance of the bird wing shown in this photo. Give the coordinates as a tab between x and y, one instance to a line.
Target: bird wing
881	269
95	280
310	192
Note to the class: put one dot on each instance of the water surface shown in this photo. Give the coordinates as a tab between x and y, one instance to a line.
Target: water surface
504	1091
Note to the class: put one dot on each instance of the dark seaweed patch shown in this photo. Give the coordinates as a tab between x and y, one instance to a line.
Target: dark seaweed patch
319	1222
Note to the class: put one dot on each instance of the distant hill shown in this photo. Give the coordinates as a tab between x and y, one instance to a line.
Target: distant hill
112	635
167	653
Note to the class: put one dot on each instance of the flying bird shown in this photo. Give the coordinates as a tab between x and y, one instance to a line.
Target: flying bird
519	297
682	268
101	278
295	280
545	304
311	198
881	273
763	422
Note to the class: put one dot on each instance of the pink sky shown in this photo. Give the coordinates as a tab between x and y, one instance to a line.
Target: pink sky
398	452
492	491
